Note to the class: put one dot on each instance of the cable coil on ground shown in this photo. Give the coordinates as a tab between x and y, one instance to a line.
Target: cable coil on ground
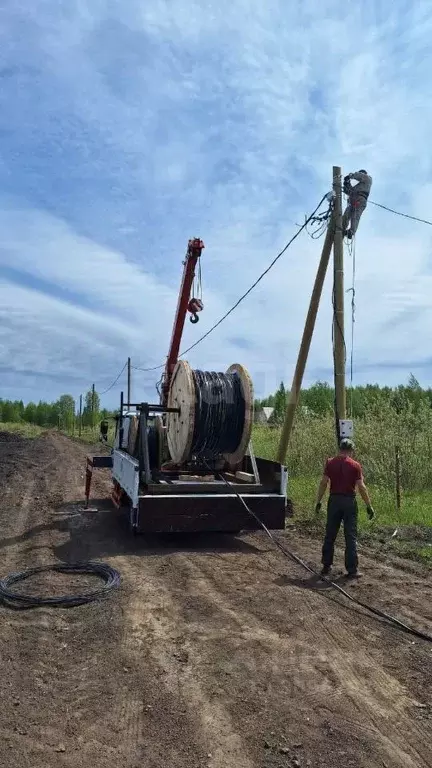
19	600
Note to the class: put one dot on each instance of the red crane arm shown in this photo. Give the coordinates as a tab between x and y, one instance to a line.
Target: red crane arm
193	253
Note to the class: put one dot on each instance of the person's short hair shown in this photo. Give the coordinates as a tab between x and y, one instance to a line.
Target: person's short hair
346	444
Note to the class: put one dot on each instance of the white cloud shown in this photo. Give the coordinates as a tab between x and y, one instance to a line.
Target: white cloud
221	120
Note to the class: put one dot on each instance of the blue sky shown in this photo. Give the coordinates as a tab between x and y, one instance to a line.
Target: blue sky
128	127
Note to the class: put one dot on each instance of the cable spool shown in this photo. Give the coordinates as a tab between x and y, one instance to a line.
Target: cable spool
155	440
216	414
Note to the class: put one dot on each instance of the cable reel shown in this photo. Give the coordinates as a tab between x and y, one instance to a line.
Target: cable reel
216	414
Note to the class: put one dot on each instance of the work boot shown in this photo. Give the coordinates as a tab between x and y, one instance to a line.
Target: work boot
354	575
326	570
348	234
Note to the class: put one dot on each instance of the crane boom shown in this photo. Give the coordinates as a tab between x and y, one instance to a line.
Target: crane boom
194	249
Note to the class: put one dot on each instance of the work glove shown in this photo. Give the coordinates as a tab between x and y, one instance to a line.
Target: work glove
370	512
317	507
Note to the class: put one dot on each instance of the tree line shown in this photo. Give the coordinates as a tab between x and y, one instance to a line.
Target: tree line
319	399
63	413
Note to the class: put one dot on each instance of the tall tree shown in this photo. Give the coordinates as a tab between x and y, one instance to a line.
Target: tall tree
279	405
319	398
66	410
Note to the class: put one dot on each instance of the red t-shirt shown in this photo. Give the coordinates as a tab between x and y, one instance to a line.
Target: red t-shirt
344	473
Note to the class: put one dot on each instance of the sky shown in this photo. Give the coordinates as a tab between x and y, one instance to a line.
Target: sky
128	127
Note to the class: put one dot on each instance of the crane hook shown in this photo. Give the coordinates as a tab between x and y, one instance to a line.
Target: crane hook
195	306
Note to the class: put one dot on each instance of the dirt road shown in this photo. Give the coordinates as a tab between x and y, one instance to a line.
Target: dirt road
214	653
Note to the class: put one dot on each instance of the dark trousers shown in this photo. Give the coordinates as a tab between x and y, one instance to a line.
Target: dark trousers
341	508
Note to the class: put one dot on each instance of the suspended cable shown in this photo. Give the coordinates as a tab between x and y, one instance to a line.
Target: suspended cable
114	382
145	370
352	250
263	274
398	213
302	227
321	220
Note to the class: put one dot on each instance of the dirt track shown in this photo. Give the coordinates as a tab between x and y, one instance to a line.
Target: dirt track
215	652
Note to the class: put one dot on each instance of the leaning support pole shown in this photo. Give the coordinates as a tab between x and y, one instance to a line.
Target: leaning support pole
338	302
305	343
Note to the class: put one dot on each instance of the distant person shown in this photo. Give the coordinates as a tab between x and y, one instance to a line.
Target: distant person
357	200
345	476
104	431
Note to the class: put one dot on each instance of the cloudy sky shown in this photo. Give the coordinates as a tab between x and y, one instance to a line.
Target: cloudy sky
127	127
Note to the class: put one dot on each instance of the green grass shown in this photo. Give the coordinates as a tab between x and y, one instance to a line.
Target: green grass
412	551
90	435
313	441
26	430
416	508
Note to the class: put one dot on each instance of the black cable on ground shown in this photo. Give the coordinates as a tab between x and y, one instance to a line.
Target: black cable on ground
287	553
13	599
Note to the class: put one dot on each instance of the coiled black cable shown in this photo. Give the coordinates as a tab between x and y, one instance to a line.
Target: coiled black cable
219	414
18	600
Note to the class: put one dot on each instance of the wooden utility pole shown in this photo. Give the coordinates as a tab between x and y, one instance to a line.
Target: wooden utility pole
338	300
80	417
93	405
128	381
305	343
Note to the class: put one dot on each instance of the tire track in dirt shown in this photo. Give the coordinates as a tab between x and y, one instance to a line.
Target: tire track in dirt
357	675
25	636
153	613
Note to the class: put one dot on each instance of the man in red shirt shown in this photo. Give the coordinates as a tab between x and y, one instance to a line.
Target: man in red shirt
345	476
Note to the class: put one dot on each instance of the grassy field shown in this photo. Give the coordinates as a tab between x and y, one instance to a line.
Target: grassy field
26	430
313	441
88	434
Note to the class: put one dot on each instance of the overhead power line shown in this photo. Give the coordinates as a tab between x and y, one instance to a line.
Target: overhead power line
300	227
258	280
114	382
398	213
155	368
322	219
